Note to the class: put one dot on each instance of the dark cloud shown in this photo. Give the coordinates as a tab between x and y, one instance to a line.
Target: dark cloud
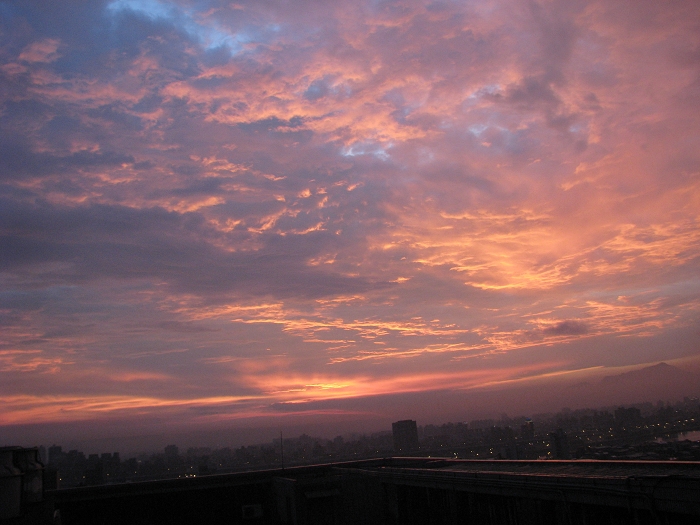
187	328
557	35
111	241
116	115
18	161
568	327
270	124
531	92
22	300
317	89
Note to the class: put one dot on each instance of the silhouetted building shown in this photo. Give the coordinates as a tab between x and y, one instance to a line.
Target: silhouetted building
560	443
405	435
55	454
21	484
94	474
404	491
527	431
627	418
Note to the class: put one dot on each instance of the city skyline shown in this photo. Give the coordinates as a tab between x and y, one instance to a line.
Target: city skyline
649	423
250	215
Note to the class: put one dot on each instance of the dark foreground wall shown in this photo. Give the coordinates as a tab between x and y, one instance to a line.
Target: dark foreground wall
405	491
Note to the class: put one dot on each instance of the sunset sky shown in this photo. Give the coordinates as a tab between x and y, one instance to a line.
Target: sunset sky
268	212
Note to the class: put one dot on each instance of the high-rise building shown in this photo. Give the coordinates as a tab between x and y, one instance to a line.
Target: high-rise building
527	431
55	453
560	444
405	435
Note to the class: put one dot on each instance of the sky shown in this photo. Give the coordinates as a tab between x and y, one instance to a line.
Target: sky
278	213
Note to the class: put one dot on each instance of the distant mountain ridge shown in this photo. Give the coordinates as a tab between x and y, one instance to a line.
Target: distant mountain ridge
658	382
659	372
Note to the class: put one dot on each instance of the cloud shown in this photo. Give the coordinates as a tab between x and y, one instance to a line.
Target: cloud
567	328
239	199
41	51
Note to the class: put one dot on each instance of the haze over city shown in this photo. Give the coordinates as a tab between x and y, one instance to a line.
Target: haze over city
235	218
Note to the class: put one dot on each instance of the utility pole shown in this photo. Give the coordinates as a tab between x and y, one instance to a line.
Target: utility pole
282	449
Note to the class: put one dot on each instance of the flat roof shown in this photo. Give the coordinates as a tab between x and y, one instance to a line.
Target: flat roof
569	468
